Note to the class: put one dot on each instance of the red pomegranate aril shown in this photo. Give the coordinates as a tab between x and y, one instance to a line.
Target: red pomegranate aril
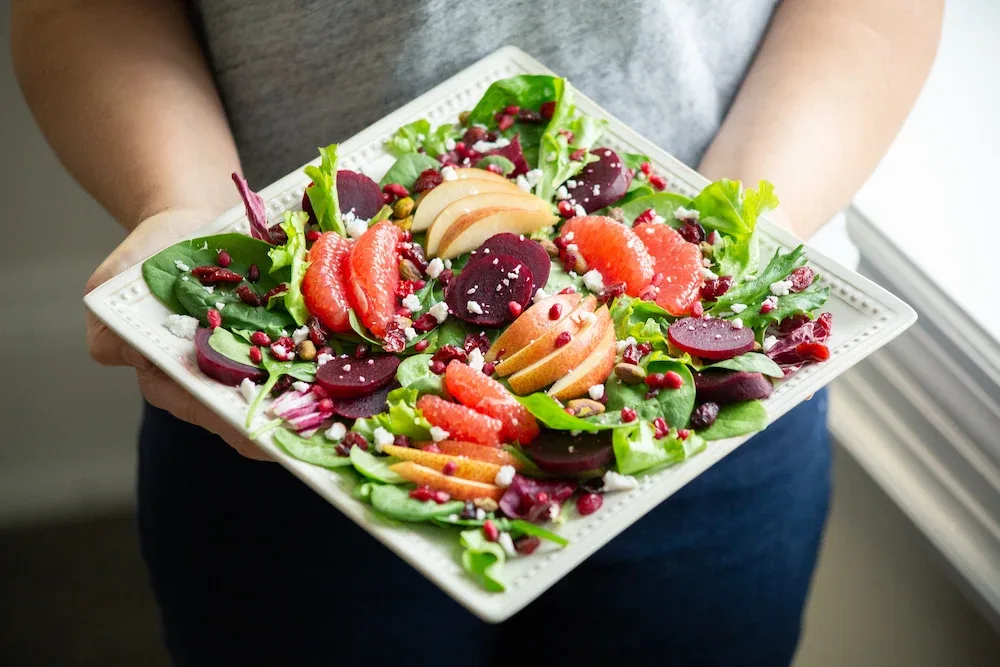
360	351
449	468
326	349
513	110
506	122
396	190
527	544
770	303
287	341
547	110
713	289
432	448
253	273
474	340
495	168
555	311
386	198
672	380
515	308
421	345
644	349
474	134
661	426
631	355
565	209
658	181
260	338
578	155
441	497
654	380
448	353
421	493
628	414
214	318
569	289
563	338
313	235
610	292
568	134
645	217
697	310
437	367
656	280
489	367
325	405
318	391
646	168
683	433
280	352
801	278
541	497
560	242
247	295
445	277
812	351
588	503
404	312
402	441
223	259
491	531
256	356
427	180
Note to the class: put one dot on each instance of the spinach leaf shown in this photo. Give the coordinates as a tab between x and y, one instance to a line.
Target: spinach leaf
406	169
506	166
752	362
664	203
483	559
323	193
725	207
317	450
756	289
528	91
360	329
637	449
230	346
546	410
737	419
793	303
674	405
395	502
414	373
293	254
375	467
161	271
197	301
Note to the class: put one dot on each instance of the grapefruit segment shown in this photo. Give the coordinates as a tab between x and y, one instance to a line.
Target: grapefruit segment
373	271
456	487
613	249
483	394
680	264
460	422
324	287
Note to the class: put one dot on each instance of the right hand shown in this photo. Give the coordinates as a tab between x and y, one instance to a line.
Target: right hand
153	234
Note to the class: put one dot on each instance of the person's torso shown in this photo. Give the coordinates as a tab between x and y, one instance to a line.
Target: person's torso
296	74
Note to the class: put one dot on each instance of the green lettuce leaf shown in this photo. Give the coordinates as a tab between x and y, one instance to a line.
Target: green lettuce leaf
638	450
409	137
406	169
402	417
293	254
483	560
555	149
323	193
737	419
414	373
725	207
755	290
664	203
751	362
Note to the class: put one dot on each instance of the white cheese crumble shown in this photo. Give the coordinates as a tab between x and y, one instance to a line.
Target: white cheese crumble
780	287
738	307
208	288
505	476
622	344
539	295
323	358
614	481
507	542
593	280
562	193
769	342
476	360
596	392
434	268
300	334
480	514
182	326
522	183
411	302
572	247
181	265
448	173
571	183
487	146
439	311
248	389
410	333
438	434
449	144
219	305
533	177
737	323
708	274
474	307
686	213
301	386
335	432
354	226
658	220
382	438
579	211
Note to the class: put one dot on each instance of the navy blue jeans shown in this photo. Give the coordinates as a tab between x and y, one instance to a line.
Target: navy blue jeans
250	567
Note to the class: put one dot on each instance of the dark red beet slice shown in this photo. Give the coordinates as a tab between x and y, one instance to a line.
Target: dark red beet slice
219	367
600	183
731	386
347	377
519	246
362	407
360	193
489	284
710	338
552	453
513	152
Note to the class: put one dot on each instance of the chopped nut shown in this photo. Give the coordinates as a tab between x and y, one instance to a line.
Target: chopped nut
615	213
581	266
630	373
463	117
409	271
707	249
757	347
402	208
584	407
486	504
405	223
307	351
549	247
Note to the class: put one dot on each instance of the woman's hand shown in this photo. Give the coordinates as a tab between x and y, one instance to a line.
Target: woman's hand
108	349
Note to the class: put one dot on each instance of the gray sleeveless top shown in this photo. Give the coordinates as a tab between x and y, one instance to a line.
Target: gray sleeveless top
296	74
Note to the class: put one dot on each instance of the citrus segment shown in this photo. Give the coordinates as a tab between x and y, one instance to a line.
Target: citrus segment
477	452
374	275
460	422
611	248
483	394
477	471
680	264
324	287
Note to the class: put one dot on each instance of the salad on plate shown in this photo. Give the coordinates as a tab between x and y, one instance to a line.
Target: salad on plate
516	320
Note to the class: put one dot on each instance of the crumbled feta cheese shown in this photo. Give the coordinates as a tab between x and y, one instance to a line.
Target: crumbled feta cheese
434	268
219	305
300	334
553	511
447	263
182	326
523	183
569	236
737	323
476	360
780	287
412	302
686	213
439	311
382	438
533	177
438	434
505	476
596	392
347	367
539	295
300	386
571	183
708	274
658	220
738	307
410	333
474	307
480	514
622	344
355	226
323	358
449	144
507	543
208	288
562	193
614	481
248	389
579	211
487	146
448	173
769	342
181	265
572	247
335	432
593	280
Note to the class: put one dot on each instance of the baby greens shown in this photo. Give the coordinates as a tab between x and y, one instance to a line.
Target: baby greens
323	193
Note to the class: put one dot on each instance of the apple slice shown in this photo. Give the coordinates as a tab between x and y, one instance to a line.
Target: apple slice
435	201
473	229
546	343
532	323
595	369
464	467
564	360
483	201
483	174
456	487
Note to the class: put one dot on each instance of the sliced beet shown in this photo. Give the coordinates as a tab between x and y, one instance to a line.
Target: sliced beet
562	454
731	386
519	246
347	377
515	154
601	183
710	338
362	407
219	367
359	193
488	284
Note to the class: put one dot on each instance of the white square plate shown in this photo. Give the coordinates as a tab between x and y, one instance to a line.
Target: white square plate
866	317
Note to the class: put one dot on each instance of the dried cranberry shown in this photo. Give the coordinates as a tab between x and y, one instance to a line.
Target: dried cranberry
247	295
469	510
527	544
445	277
402	441
274	291
692	232
260	338
588	503
644	349
563	338
437	367
628	414
223	259
548	109
631	355
342	450
425	322
448	353
801	278
421	345
713	289
395	190
704	415
474	135
278	235
313	235
253	274
211	275
477	340
427	180
491	531
394	340
415	253
318	333
652	393
283	384
360	351
529	116
812	351
214	318
612	291
353	439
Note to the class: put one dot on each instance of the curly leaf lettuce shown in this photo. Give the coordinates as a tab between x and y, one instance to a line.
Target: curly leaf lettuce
323	192
755	290
411	137
293	254
401	418
637	449
732	211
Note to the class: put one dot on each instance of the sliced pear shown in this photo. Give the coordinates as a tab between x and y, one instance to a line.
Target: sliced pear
531	324
473	229
539	347
484	174
595	369
435	201
455	210
564	360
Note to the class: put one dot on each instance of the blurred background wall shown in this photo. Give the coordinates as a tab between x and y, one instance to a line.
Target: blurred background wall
72	588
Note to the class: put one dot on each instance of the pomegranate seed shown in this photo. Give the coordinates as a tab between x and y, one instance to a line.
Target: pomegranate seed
568	134
560	242
402	441
661	426
326	349
479	340
565	209
489	367
325	405
649	293
656	280
256	356
491	531
801	278
440	497
313	235
427	180
286	341
280	352
247	295
589	503
260	338
631	354
432	448
214	318
474	134
421	493
692	232
527	544
646	168
424	323
658	182
495	168
253	273
283	384
437	367
628	414
449	352
513	110
683	433
353	439
360	351
421	345
812	351
563	338
317	332
404	312
318	391
578	155
224	259
697	310
770	303
672	380
610	292
541	497
449	468
569	289
713	289
506	122
645	217
713	237
395	190
547	110
654	380
555	312
515	308
644	349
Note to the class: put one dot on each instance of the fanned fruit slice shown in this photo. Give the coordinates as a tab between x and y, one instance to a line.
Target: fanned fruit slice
680	264
533	323
483	394
477	471
374	275
477	452
460	422
613	249
324	287
456	487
